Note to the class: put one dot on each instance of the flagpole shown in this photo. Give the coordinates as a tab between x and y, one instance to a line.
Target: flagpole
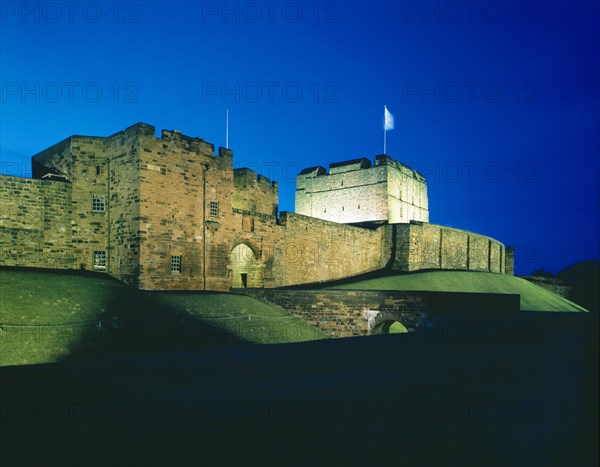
227	129
384	130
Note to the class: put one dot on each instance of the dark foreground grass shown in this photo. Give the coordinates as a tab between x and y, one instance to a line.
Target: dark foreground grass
533	297
48	317
401	399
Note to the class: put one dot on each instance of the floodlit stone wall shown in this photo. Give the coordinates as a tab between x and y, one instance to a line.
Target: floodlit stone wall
406	193
168	213
313	250
35	223
254	193
354	191
81	159
179	178
422	246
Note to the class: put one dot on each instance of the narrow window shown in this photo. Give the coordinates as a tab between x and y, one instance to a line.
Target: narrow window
97	171
176	263
98	203
99	259
214	208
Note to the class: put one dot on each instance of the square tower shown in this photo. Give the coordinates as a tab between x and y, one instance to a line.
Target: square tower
355	191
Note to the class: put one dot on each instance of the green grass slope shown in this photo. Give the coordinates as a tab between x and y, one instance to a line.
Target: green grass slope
48	317
533	297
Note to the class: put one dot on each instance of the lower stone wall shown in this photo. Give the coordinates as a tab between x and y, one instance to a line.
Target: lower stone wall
35	223
555	286
345	313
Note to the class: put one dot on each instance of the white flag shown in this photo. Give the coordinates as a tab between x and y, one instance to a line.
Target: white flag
388	119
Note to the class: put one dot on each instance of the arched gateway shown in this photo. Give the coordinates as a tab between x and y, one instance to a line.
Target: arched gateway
247	270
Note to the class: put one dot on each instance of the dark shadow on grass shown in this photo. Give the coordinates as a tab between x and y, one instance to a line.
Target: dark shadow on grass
137	322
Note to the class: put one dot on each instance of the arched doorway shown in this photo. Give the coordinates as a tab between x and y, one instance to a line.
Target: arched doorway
246	268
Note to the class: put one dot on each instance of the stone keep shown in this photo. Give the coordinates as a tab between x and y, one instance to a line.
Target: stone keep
354	192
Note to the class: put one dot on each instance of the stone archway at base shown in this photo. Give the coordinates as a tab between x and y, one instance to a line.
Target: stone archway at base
389	327
384	322
247	270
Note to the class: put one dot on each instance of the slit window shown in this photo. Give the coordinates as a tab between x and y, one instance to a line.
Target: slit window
97	171
98	203
176	263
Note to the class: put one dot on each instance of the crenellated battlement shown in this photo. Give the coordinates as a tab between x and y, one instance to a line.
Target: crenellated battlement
252	192
245	177
313	171
175	140
384	159
348	166
356	191
361	163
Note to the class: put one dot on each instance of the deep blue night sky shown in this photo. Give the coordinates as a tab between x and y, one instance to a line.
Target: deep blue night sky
496	103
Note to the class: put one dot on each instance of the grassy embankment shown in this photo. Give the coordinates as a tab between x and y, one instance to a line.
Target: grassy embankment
533	297
100	316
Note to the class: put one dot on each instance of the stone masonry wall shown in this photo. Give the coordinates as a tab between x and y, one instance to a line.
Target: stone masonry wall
108	168
407	193
172	201
35	223
254	193
509	260
179	178
296	249
552	284
354	196
429	246
355	191
83	161
313	250
345	313
123	209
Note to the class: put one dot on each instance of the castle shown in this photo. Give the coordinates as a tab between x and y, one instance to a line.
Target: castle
169	214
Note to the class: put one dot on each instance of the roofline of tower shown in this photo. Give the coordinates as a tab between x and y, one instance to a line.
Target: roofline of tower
364	164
